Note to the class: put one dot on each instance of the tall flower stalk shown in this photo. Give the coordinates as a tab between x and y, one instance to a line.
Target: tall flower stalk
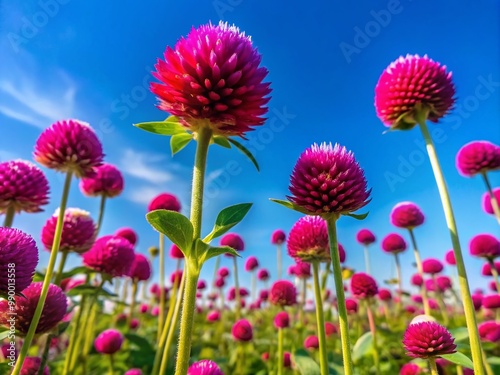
320	320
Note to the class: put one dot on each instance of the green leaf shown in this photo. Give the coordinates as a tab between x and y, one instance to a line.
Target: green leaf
175	226
459	359
170	126
245	151
221	141
76	271
179	141
358	216
290	205
85	289
460	334
140	342
363	346
204	251
228	218
61	328
4	335
305	364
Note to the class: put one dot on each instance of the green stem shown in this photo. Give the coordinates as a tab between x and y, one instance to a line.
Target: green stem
132	303
460	370
254	286
488	369
102	206
216	270
280	351
60	268
279	261
400	281
161	313
470	316
237	289
494	202
111	365
9	216
48	276
494	273
418	260
339	289
367	260
45	354
324	281
440	301
432	364
320	319
373	330
303	301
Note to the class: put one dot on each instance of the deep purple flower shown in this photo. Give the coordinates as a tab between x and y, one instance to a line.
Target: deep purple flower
263	274
311	342
485	246
478	157
363	285
278	237
432	266
282	320
106	181
487	206
204	367
232	240
140	269
242	330
428	339
365	237
112	255
308	240
406	215
393	243
31	366
283	293
165	201
127	233
251	264
109	341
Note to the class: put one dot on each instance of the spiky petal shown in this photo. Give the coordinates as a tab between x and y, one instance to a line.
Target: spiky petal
363	285
428	339
406	215
393	243
204	367
308	240
112	255
478	157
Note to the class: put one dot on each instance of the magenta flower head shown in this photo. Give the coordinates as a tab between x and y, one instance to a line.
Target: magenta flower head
489	331
365	237
477	300
202	285
283	293
204	367
308	240
213	316
363	285
242	330
108	341
212	78
393	243
410	369
232	240
302	270
278	237
223	272
263	274
78	234
140	269
450	258
487	207
127	233
282	320
432	266
23	186
134	371
406	215
112	255
417	280
106	181
18	254
328	180
351	305
478	157
413	87
53	311
428	339
165	201
384	294
484	246
31	366
491	301
69	146
175	252
251	264
311	342
486	269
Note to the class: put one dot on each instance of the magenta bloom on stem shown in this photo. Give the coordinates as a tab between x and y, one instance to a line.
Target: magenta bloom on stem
432	266
223	272
232	240
363	285
491	301
489	331
242	330
486	269
213	316
393	243
328	180
263	274
410	369
106	181
176	277
485	246
384	294
213	74
69	145
282	320
412	86
417	280
428	339
127	233
109	341
112	255
351	305
53	311
308	240
140	269
478	157
283	293
450	258
134	371
201	285
204	367
165	201
302	270
365	237
31	366
311	342
18	248
487	207
406	215
278	237
23	186
78	234
176	252
251	263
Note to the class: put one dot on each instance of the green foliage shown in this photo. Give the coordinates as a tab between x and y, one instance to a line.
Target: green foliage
175	226
228	218
245	152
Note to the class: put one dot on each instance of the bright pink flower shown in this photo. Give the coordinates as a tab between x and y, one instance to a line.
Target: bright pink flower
417	280
410	369
487	206
231	293
282	320
384	294
220	283
264	295
165	201
393	243
409	86
283	293
201	285
223	272
328	179
176	252
444	283
432	266
109	341
406	215
450	257
302	270
311	342
31	366
486	270
134	371
491	301
330	329
176	277
342	253
478	157
140	269
232	240
106	181
485	246
213	316
351	305
363	285
278	237
242	330
308	240
144	308
204	367
287	360
428	339
127	233
477	301
263	274
112	255
251	264
69	145
489	331
365	237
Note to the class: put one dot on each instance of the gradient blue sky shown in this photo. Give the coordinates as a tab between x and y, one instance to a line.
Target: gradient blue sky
92	60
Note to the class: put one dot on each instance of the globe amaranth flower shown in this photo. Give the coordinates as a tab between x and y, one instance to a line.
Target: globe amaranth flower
485	246
278	237
302	270
140	269
491	301
223	272
363	285
330	329
165	201
69	146
212	78
112	255
432	266
328	180
450	257
406	215
486	269
234	241
134	371
18	259
365	237
393	243
263	274
417	280
242	330
283	293
384	294
202	285
489	331
282	320
127	233
351	305
487	206
428	339
413	87
478	157
23	186
106	181
311	342
176	252
213	316
53	311
204	367
251	264
78	233
109	341
308	240
31	366
410	369
231	293
264	295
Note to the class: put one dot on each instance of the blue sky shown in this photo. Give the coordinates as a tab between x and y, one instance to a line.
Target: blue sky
92	60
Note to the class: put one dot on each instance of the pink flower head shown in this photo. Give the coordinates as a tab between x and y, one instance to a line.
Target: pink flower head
251	264
127	233
330	329
140	269
477	301
204	367
242	330
406	215
302	270
341	253
213	74
69	145
282	320
491	301
443	283
23	186
393	243
109	341
283	293
432	266
493	286
202	285
31	366
485	246
231	294
384	294
176	277
176	252
428	339
450	257
489	331
223	272
112	255
486	269
106	181
263	274
327	179
308	240
363	285
365	237
410	87
311	342
134	371
278	237
165	201
487	206
478	157
213	316
18	248
53	311
417	280
264	295
232	240
78	234
220	283
287	360
351	305
144	308
410	369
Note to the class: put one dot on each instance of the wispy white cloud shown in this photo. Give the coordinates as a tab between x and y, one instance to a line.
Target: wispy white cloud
144	194
141	165
214	175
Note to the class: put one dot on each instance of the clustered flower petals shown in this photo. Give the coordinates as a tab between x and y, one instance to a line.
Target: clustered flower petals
393	243
478	157
165	201
140	269
485	246
242	330
109	341
432	266
365	237
363	285
278	237
204	367
106	181
428	339
406	215
308	240
112	255
127	233
283	293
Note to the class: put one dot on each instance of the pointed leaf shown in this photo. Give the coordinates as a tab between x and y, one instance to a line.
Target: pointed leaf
205	252
459	359
175	226
290	205
245	151
228	218
76	271
305	364
86	289
221	141
363	346
170	126
460	334
358	216
179	141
